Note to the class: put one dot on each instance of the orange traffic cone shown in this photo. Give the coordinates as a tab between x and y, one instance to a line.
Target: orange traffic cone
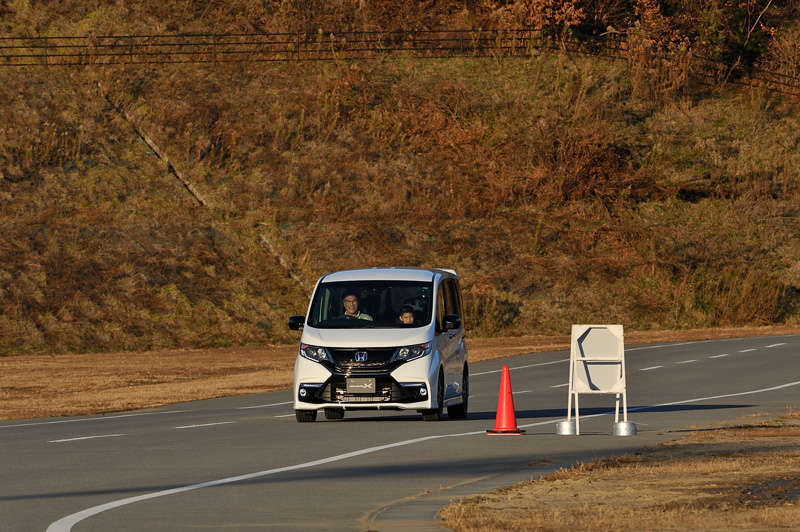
506	422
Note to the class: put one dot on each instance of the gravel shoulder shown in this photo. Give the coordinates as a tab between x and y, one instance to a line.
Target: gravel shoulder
743	474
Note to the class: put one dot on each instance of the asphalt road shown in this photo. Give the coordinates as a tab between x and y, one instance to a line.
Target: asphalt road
244	463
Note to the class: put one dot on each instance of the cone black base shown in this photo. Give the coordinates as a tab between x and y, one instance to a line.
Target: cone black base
493	432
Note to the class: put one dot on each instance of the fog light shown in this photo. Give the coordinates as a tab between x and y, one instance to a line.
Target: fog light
423	392
303	392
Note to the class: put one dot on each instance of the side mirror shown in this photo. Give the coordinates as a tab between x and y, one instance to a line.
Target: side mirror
296	323
452	321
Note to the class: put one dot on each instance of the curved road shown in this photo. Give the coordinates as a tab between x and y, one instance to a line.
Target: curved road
245	463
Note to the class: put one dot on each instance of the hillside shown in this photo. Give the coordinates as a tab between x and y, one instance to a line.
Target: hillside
161	206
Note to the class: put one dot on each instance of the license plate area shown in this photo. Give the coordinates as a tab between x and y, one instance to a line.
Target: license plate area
360	385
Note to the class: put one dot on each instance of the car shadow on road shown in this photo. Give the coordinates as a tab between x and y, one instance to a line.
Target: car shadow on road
544	413
596	411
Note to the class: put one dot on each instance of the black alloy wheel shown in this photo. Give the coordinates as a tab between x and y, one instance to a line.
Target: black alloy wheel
306	416
334	413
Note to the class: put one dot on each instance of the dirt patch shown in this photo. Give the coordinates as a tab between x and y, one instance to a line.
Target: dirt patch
66	385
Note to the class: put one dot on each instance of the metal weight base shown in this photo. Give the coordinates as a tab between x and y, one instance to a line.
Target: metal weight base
566	427
625	428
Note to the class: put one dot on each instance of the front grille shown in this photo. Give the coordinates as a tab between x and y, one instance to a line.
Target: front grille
374	355
334	391
384	396
386	392
365	365
357	370
377	360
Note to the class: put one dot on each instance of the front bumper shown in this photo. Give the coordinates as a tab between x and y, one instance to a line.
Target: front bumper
404	387
387	392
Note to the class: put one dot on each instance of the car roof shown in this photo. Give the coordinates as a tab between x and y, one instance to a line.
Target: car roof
388	274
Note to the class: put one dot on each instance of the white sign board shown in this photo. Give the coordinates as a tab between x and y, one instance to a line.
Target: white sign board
596	365
597	359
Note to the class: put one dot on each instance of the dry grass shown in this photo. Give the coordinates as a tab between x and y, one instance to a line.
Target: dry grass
617	193
557	194
738	477
65	385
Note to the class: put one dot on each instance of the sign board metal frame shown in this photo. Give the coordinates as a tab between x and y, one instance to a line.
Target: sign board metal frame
597	366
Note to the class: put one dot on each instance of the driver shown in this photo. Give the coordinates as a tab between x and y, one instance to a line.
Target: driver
350	302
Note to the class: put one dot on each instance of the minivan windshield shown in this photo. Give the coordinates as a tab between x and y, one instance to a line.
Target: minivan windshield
371	304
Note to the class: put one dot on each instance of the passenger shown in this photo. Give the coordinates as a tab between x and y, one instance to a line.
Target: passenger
350	302
406	316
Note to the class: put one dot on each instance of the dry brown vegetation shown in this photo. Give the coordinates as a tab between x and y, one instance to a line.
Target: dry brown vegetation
740	475
562	188
67	385
150	212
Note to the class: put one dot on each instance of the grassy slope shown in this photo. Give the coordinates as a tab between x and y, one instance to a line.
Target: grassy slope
563	190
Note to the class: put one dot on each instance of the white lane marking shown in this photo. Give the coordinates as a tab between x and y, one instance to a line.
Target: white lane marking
99	418
264	406
86	438
560	385
567	360
776	345
651	367
719	356
641	348
205	425
520	367
686	361
65	524
524	391
723	396
627	350
286	415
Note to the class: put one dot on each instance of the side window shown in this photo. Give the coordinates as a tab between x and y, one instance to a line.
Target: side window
449	302
459	308
440	308
451	297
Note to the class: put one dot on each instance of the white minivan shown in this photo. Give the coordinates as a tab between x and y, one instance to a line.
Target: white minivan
382	339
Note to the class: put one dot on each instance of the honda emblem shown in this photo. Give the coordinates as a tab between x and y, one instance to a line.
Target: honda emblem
361	356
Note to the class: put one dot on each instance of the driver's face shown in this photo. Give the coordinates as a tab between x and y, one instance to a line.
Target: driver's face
351	305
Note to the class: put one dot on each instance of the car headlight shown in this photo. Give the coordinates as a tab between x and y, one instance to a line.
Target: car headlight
312	352
412	352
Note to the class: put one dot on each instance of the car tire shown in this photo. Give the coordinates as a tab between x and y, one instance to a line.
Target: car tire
460	411
334	413
306	416
435	414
